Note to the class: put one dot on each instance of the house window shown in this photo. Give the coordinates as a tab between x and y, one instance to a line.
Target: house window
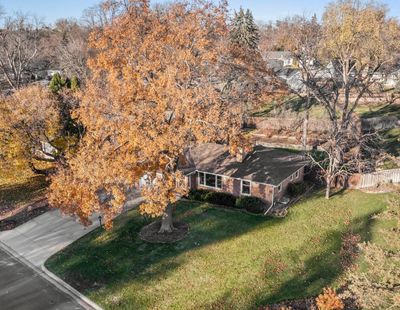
246	187
202	178
291	177
219	181
210	180
297	174
279	188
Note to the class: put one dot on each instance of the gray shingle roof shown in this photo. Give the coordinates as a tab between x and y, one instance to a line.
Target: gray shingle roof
262	165
278	55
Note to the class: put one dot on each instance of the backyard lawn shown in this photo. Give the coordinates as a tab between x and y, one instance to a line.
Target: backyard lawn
229	260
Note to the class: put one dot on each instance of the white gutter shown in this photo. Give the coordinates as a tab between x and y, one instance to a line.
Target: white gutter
272	203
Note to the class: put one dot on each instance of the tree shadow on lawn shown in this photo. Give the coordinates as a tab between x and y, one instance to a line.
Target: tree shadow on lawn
319	271
24	192
119	256
387	110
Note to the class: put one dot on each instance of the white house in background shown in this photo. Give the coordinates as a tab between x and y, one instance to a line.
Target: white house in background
392	80
283	58
52	72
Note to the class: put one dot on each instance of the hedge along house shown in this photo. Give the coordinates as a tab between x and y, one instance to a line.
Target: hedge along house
264	172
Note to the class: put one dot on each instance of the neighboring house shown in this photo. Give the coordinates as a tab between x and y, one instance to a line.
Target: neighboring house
389	81
264	172
285	67
282	59
51	73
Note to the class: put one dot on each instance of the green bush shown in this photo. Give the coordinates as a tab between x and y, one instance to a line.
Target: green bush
198	194
56	83
75	84
251	204
296	189
219	198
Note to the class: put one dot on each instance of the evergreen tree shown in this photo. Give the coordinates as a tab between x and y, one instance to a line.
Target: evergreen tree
244	31
56	83
75	84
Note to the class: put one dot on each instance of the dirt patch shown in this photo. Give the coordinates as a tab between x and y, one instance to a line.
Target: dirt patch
149	233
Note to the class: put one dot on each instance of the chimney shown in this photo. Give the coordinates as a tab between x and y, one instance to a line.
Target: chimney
241	154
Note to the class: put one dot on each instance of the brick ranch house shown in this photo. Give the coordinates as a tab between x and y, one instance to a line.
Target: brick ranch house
264	172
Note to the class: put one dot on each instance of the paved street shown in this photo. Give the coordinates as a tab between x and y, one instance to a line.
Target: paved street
22	288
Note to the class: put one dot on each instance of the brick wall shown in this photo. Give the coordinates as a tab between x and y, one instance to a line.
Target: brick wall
263	191
233	186
285	183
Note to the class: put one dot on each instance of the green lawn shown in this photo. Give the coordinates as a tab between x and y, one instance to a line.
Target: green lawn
293	105
229	260
379	110
391	140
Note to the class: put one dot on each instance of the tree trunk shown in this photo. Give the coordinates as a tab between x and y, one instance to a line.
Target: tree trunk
305	132
167	225
328	188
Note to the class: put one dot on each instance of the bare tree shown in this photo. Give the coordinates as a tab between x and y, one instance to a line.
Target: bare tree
341	65
70	47
104	13
19	48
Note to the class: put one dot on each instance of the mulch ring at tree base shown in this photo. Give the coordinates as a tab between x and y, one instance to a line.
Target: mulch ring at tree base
149	233
22	217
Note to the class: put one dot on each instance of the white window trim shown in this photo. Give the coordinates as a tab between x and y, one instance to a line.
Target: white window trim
241	188
207	186
279	188
198	179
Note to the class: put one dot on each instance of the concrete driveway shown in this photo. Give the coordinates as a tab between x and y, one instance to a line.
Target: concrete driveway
44	236
27	247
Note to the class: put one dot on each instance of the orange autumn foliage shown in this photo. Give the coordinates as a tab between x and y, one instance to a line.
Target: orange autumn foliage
28	118
154	91
328	300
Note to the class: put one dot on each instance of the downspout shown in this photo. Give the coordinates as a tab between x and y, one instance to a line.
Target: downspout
272	202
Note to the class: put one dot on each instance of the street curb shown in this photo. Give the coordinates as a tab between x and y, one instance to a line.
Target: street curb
59	283
53	279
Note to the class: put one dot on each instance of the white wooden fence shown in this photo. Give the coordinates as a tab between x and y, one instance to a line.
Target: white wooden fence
379	177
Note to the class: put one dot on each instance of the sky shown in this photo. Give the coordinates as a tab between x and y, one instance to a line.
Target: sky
263	10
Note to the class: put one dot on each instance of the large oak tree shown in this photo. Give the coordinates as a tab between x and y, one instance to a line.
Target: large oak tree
156	89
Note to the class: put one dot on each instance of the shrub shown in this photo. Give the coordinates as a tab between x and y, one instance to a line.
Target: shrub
198	194
251	204
75	84
56	83
328	300
296	189
219	198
